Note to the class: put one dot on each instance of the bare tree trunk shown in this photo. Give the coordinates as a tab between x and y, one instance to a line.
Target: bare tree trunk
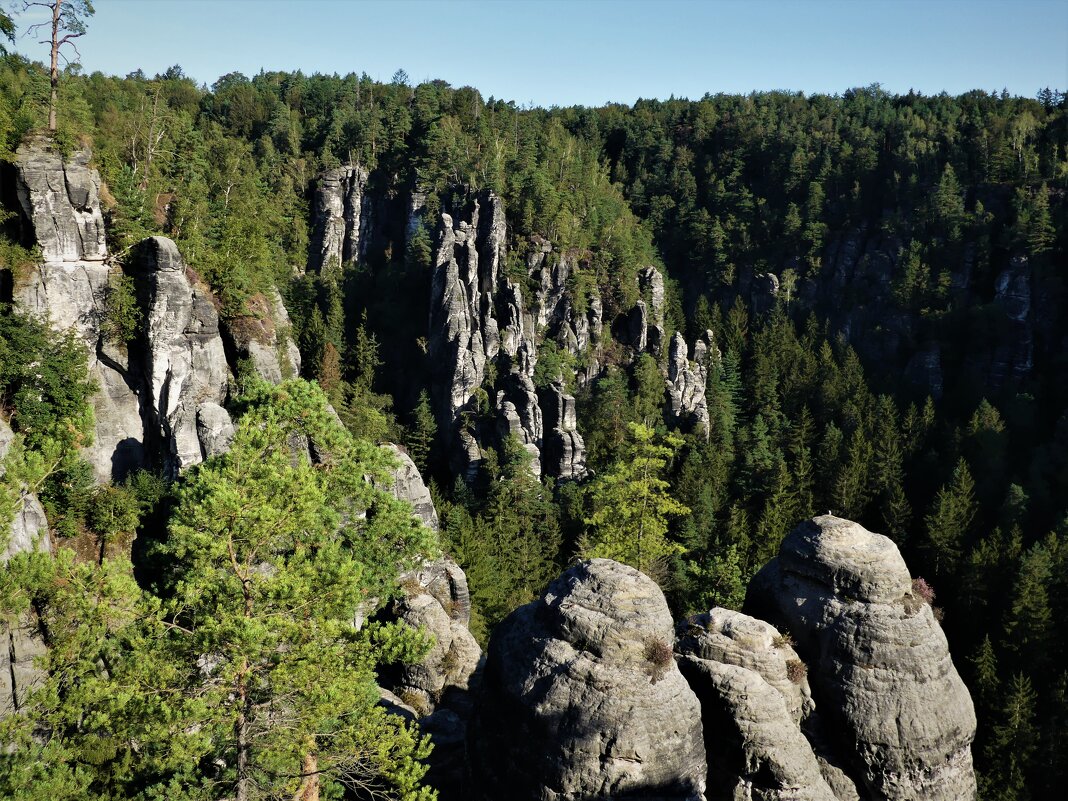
55	67
309	788
241	736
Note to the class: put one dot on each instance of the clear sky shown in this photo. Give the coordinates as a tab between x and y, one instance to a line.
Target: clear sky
554	52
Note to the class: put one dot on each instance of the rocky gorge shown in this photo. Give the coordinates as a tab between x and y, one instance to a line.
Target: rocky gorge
836	682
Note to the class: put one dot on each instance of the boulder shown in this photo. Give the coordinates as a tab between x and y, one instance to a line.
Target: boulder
880	667
581	697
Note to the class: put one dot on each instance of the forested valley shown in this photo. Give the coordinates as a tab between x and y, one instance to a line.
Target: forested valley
863	291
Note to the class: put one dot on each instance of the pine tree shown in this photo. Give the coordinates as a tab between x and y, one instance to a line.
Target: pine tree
778	517
888	473
801	465
851	492
422	434
631	504
1040	231
950	519
1028	625
1014	740
247	678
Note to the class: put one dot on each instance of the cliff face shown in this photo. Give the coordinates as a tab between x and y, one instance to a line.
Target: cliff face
20	643
61	205
855	291
490	321
161	396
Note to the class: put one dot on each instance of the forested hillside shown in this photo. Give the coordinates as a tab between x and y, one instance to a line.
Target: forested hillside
870	284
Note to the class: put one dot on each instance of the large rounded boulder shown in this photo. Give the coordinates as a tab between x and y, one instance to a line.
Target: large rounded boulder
581	697
881	673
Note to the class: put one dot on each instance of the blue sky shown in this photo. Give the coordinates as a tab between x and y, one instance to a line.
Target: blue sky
554	52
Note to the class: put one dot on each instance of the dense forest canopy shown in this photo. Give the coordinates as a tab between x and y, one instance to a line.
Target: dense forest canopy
816	401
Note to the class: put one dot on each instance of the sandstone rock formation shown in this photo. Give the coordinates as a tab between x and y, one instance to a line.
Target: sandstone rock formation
408	486
564	450
436	601
882	677
187	374
753	695
687	406
29	528
463	329
263	338
340	217
573	323
581	698
60	203
651	284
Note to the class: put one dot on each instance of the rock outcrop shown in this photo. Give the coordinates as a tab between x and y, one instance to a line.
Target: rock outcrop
436	600
341	220
61	205
187	373
564	454
651	284
581	698
463	329
753	695
569	317
687	406
29	527
1013	359
882	677
408	486
262	337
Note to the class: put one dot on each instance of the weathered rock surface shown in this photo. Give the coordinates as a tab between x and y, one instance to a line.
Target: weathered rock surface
687	406
341	219
880	668
187	372
751	708
651	284
732	638
1013	358
520	416
571	705
263	338
564	454
437	690
408	486
29	528
464	332
60	202
452	660
574	324
756	750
